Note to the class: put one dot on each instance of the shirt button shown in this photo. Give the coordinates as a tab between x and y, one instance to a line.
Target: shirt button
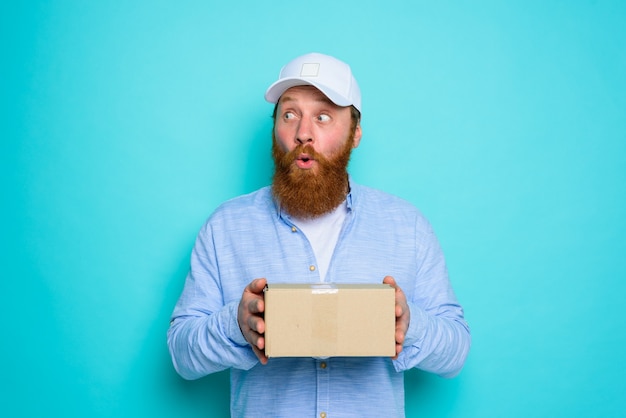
323	415
294	229
312	268
323	365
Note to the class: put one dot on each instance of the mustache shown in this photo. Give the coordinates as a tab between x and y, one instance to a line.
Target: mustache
287	158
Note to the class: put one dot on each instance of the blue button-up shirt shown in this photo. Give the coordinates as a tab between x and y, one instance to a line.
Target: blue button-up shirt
250	237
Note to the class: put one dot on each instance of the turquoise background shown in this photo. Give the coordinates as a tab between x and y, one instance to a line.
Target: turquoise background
125	123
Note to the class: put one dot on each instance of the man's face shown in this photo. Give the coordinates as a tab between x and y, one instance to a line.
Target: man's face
313	140
305	116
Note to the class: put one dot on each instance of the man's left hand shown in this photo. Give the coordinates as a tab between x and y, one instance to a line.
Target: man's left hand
403	315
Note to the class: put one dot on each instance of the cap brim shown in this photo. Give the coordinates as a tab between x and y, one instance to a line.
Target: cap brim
277	89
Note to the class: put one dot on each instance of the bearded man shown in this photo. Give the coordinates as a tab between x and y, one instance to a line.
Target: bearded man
314	224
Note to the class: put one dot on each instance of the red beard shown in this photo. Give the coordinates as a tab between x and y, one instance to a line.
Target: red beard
310	193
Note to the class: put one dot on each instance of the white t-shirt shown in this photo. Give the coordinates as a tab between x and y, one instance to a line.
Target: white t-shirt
322	233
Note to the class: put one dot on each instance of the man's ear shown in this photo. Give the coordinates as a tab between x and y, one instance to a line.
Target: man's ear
357	135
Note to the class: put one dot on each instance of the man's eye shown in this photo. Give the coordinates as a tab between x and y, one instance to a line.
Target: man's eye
323	118
289	115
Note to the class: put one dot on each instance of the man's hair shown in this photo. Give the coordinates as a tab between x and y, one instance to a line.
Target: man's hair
354	114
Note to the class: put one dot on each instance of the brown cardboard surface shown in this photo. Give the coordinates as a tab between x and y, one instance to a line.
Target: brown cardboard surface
326	320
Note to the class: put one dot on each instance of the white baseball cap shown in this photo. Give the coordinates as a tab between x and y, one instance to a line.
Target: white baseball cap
329	75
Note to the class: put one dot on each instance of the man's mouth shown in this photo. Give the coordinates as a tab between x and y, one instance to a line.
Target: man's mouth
305	161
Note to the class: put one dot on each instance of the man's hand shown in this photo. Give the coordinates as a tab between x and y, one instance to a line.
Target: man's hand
403	315
250	317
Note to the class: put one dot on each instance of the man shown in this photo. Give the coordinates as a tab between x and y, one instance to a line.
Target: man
314	224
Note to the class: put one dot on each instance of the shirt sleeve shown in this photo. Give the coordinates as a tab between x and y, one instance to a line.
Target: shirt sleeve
204	336
438	338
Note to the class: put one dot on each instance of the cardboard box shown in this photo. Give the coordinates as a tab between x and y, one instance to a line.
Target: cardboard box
329	320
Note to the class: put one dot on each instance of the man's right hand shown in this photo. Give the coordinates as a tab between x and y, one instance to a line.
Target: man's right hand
250	317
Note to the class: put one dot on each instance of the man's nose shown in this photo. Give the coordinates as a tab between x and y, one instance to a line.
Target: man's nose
304	134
